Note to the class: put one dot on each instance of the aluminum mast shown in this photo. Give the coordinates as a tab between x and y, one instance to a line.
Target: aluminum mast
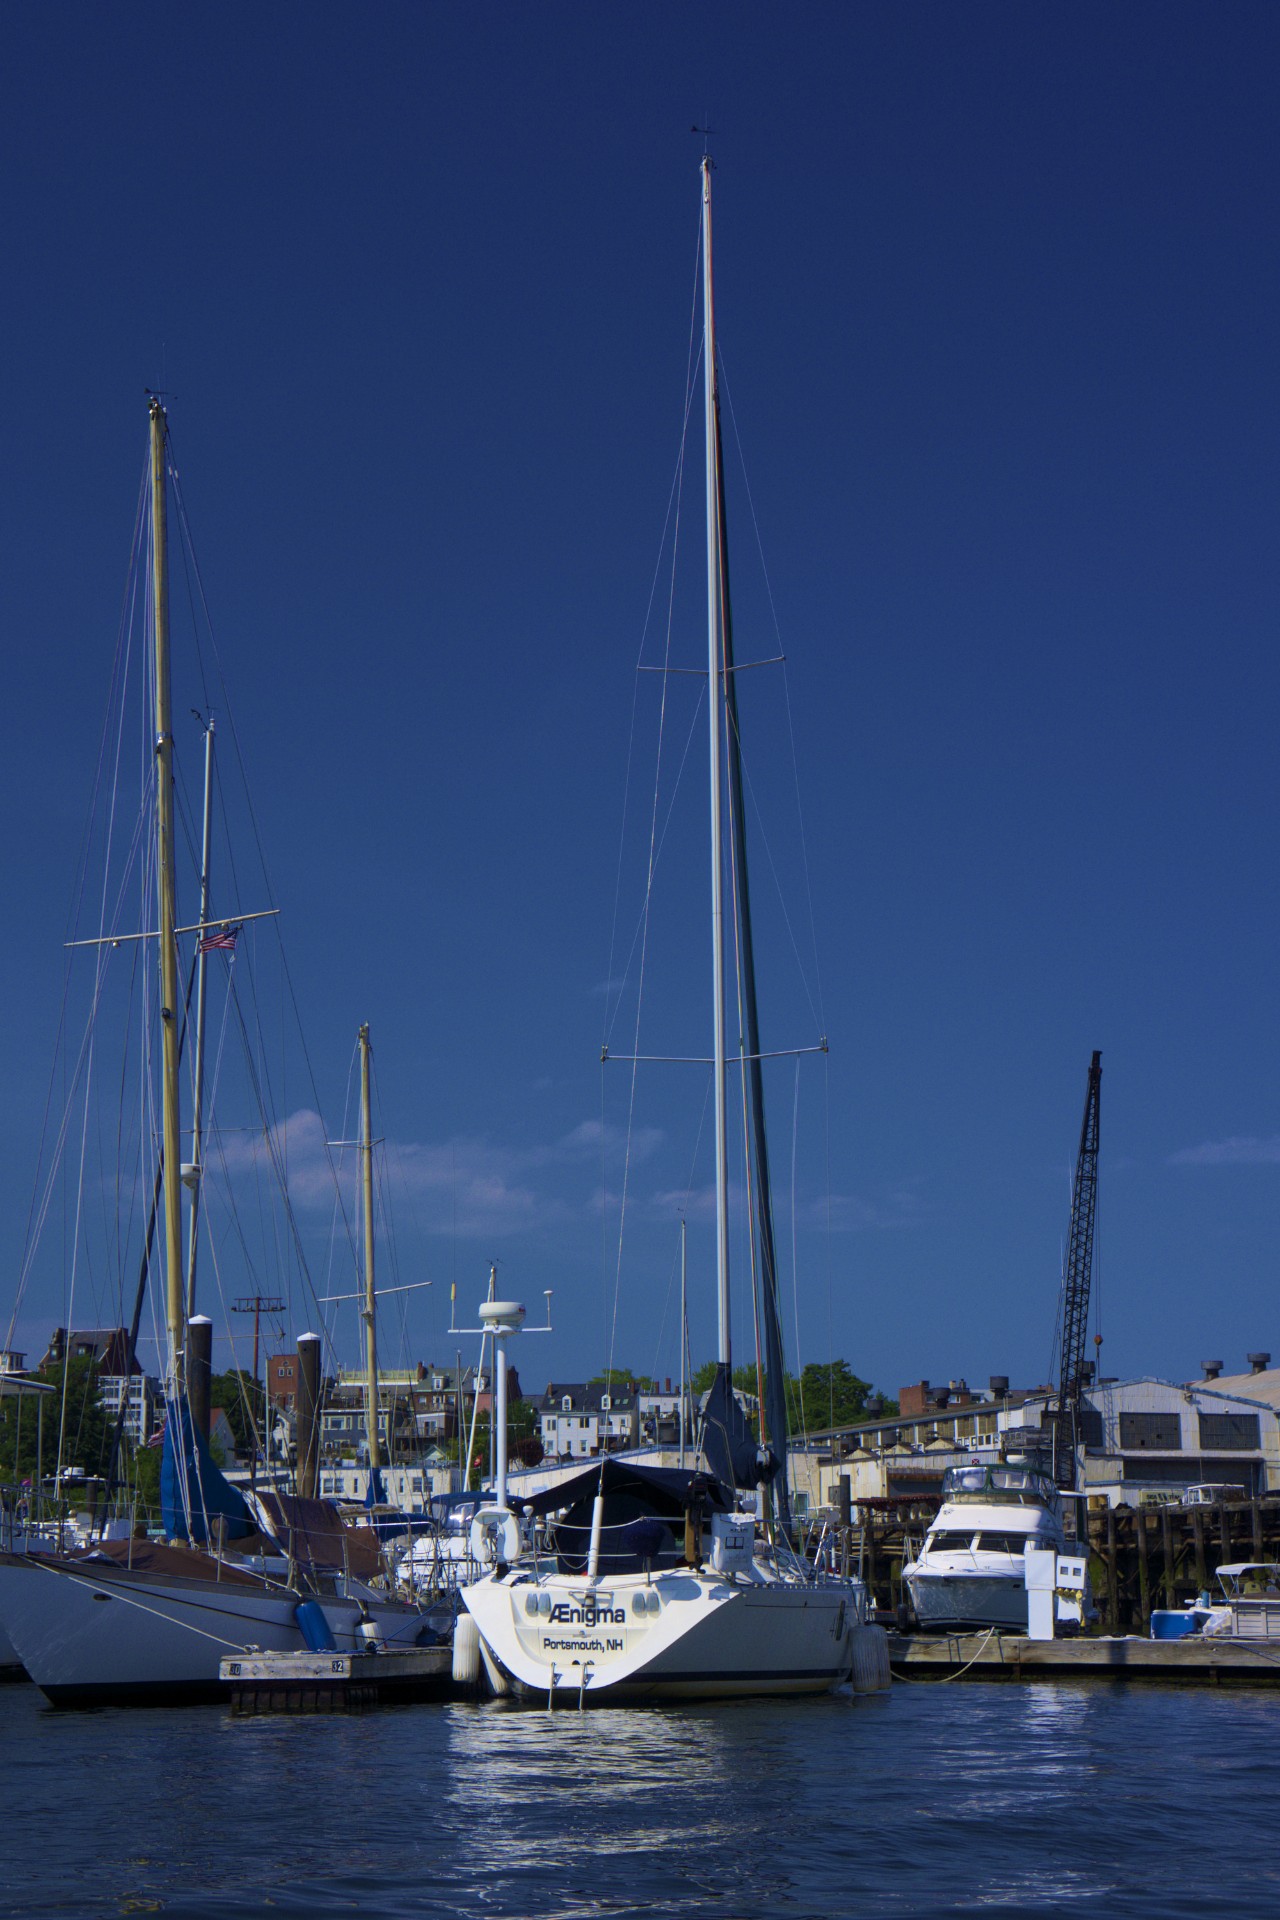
715	690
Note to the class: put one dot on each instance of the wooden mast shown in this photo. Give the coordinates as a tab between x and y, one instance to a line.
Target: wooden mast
370	1296
165	851
194	1174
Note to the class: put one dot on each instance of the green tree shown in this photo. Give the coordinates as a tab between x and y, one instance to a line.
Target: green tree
828	1394
242	1399
622	1377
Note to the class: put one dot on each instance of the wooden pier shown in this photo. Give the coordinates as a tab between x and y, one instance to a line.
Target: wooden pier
335	1682
1215	1661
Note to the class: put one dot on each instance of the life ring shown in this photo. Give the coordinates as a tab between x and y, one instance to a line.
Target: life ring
495	1536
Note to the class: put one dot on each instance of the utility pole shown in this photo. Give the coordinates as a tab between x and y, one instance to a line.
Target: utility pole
257	1304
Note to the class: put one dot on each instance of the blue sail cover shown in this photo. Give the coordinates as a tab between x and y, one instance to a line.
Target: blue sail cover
728	1444
193	1491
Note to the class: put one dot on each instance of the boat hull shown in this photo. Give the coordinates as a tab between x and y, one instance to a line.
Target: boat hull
708	1639
950	1601
98	1635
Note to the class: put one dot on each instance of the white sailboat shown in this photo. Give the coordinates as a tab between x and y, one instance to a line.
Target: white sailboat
132	1621
636	1583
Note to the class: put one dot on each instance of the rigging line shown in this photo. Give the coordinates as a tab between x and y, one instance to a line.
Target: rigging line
674	499
237	753
786	683
798	1409
831	1330
690	737
274	1154
99	982
648	898
38	1207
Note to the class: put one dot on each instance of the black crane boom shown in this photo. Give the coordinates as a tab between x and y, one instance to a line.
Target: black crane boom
1076	1279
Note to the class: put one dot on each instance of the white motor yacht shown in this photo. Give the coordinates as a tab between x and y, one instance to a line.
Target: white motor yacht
971	1570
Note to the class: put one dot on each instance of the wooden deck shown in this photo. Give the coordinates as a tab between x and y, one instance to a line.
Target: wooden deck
1214	1662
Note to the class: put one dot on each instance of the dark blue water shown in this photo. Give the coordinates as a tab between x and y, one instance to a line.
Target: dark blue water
940	1799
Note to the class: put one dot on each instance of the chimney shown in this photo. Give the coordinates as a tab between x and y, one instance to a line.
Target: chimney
1212	1368
667	1388
1259	1362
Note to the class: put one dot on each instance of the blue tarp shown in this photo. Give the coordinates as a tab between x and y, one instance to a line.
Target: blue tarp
193	1491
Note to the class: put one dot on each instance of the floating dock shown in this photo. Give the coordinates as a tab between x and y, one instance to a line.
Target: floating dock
1212	1660
335	1682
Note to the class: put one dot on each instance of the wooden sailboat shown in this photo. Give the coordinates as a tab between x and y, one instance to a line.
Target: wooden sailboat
174	1611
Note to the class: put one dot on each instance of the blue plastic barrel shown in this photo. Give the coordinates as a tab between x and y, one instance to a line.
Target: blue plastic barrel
1168	1625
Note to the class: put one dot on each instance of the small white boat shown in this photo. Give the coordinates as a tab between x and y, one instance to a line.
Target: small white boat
971	1568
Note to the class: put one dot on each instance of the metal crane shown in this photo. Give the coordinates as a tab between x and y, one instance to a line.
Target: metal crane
1076	1278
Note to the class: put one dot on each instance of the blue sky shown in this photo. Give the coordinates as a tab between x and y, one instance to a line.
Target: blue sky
997	294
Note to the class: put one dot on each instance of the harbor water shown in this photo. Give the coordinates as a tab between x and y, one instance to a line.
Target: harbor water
940	1799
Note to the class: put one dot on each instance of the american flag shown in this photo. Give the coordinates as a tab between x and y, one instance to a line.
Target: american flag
223	941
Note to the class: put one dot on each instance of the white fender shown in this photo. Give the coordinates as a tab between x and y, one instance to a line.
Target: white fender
495	1535
869	1664
466	1651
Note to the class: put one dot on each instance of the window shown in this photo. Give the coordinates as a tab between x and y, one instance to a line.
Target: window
1230	1432
1003	1542
566	1403
949	1542
1162	1432
605	1403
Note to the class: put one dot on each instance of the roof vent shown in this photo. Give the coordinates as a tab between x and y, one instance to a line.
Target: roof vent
1212	1368
1259	1362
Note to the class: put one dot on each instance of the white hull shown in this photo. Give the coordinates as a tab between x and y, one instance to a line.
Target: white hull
706	1637
967	1574
955	1600
93	1635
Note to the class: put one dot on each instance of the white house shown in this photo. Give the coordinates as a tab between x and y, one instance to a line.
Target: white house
580	1420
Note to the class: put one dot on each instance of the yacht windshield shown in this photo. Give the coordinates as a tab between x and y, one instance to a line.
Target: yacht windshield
996	1483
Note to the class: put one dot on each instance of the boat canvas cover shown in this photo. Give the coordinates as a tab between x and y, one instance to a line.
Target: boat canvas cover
668	1492
641	1509
193	1489
728	1444
314	1534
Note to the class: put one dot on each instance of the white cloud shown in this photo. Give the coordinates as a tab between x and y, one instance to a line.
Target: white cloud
1241	1150
474	1187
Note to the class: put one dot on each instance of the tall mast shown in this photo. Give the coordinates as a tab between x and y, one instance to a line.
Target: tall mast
196	1173
370	1297
715	679
169	1022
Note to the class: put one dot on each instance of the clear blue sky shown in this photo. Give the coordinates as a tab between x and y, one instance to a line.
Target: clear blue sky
998	298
